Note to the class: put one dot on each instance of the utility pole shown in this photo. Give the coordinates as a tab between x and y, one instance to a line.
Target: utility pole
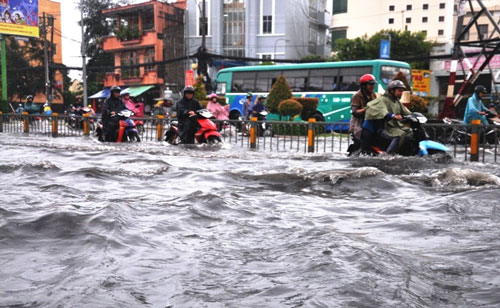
84	59
46	59
204	26
4	74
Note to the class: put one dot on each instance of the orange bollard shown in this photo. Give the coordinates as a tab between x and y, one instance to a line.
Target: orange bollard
55	130
26	124
253	133
310	135
159	127
474	141
86	130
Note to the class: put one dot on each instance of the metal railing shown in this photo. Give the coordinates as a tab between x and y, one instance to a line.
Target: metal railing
280	136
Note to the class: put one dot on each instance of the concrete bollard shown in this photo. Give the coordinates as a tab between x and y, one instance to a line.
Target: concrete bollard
159	127
55	130
253	133
474	141
86	125
26	123
310	135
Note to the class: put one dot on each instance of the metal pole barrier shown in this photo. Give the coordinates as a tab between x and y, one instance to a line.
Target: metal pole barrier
253	129
26	123
310	135
86	130
159	128
55	130
1	122
474	141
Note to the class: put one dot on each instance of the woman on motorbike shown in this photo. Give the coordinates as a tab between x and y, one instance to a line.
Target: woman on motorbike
475	109
219	112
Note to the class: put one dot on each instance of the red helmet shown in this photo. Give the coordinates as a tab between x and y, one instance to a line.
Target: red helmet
367	78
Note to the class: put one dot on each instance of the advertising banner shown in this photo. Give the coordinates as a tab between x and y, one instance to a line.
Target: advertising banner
385	49
421	82
189	81
19	17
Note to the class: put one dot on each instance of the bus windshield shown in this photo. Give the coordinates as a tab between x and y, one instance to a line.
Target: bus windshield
387	73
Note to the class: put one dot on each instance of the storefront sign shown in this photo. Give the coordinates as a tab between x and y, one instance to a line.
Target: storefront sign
189	79
421	82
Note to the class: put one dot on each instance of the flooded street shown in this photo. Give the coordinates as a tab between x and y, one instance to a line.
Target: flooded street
85	224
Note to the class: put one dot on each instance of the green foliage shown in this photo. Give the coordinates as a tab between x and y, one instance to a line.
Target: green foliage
96	29
289	107
279	92
200	92
402	77
267	63
312	58
309	106
404	44
128	33
418	104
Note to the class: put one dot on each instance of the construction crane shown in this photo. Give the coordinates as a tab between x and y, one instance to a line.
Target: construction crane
488	44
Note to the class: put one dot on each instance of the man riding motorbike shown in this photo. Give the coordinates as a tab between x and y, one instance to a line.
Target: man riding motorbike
475	109
259	106
112	106
358	104
186	107
383	124
31	107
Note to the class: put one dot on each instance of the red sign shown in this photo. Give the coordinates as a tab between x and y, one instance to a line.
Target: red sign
189	81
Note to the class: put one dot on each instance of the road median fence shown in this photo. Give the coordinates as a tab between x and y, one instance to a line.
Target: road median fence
471	142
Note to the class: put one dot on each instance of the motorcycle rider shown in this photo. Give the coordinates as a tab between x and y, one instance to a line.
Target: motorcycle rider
112	106
359	100
475	109
383	120
259	106
30	106
186	107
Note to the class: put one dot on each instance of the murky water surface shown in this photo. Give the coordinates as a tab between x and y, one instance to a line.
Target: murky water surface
84	224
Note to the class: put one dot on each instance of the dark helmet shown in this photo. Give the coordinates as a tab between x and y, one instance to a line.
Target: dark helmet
480	89
263	96
188	89
367	79
396	84
115	89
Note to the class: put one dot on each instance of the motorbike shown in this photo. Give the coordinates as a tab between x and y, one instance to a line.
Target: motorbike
206	129
418	145
457	133
263	128
126	129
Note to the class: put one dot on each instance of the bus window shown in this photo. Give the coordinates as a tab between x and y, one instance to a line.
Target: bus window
243	82
265	80
297	79
324	80
349	77
387	72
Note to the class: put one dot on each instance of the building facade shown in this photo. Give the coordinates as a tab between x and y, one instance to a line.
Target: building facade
355	18
149	32
440	68
264	29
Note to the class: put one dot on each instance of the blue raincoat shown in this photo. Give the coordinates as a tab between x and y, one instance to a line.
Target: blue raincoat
474	106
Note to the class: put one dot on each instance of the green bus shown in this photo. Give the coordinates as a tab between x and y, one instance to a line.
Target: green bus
333	83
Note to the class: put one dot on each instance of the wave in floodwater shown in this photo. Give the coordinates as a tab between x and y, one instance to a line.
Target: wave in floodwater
85	224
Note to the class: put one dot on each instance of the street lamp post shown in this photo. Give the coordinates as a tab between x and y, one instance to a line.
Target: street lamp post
276	43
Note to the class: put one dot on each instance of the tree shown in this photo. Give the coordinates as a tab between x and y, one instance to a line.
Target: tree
404	44
200	92
279	92
96	29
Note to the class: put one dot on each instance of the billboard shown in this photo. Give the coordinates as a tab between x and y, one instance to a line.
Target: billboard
19	17
421	82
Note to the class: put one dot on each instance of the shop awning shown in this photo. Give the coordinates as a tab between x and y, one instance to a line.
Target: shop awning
136	91
101	94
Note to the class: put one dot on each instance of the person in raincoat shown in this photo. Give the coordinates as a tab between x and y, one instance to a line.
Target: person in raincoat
31	107
383	120
475	109
359	100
